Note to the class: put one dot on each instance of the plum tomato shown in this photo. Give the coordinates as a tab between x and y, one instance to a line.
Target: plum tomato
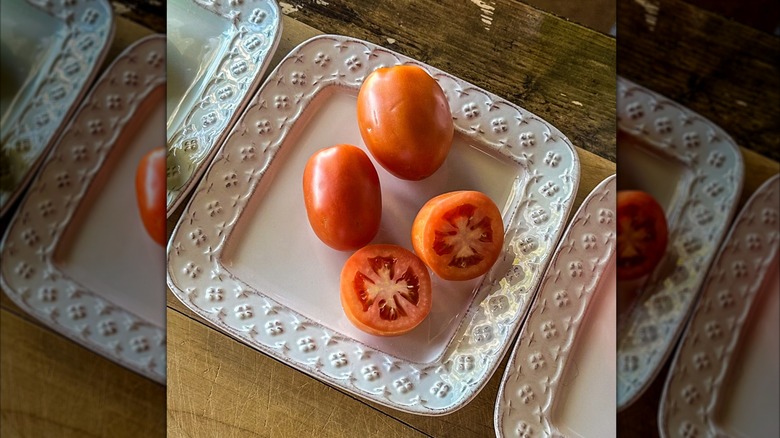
459	235
641	234
342	196
405	120
385	290
150	193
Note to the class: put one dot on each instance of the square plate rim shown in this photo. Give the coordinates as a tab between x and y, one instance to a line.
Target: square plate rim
546	397
571	174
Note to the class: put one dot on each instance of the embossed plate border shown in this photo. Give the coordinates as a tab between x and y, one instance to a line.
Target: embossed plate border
701	363
59	85
548	176
30	275
254	33
706	206
531	385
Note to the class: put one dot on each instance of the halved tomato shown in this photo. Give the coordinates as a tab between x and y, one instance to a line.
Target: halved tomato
385	290
642	234
459	235
150	193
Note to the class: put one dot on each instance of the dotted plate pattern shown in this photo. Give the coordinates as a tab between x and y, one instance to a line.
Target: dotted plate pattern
548	176
531	385
254	32
705	200
29	273
71	64
701	364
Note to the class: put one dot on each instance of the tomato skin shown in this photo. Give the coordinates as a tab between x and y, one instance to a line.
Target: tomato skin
385	312
405	121
342	196
150	193
642	234
482	231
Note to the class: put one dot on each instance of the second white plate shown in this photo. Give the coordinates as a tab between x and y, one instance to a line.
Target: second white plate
723	380
560	379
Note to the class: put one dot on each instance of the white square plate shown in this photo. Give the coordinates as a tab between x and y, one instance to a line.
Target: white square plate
217	53
560	379
694	170
76	255
243	255
724	380
51	52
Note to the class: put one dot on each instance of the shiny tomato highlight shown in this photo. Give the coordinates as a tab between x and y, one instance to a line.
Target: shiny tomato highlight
150	193
342	196
385	290
459	235
642	234
405	121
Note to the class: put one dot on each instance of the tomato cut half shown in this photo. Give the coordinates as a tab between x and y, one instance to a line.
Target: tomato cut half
385	290
459	235
642	234
150	193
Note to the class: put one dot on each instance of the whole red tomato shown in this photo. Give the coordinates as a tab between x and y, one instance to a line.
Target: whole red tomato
642	234
405	120
150	192
459	235
342	195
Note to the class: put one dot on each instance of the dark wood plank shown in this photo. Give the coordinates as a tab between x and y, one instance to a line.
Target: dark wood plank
148	13
725	71
763	15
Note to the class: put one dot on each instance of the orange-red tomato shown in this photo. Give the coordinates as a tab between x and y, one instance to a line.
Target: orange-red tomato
642	234
405	120
459	235
385	290
150	192
342	195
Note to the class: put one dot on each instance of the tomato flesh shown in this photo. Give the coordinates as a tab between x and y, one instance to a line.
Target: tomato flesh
150	193
385	290
342	197
642	234
459	235
405	121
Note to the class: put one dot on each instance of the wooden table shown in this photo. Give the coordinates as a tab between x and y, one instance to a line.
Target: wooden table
563	72
723	70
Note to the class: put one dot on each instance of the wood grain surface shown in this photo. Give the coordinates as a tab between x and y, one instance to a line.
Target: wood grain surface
721	69
218	386
51	386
